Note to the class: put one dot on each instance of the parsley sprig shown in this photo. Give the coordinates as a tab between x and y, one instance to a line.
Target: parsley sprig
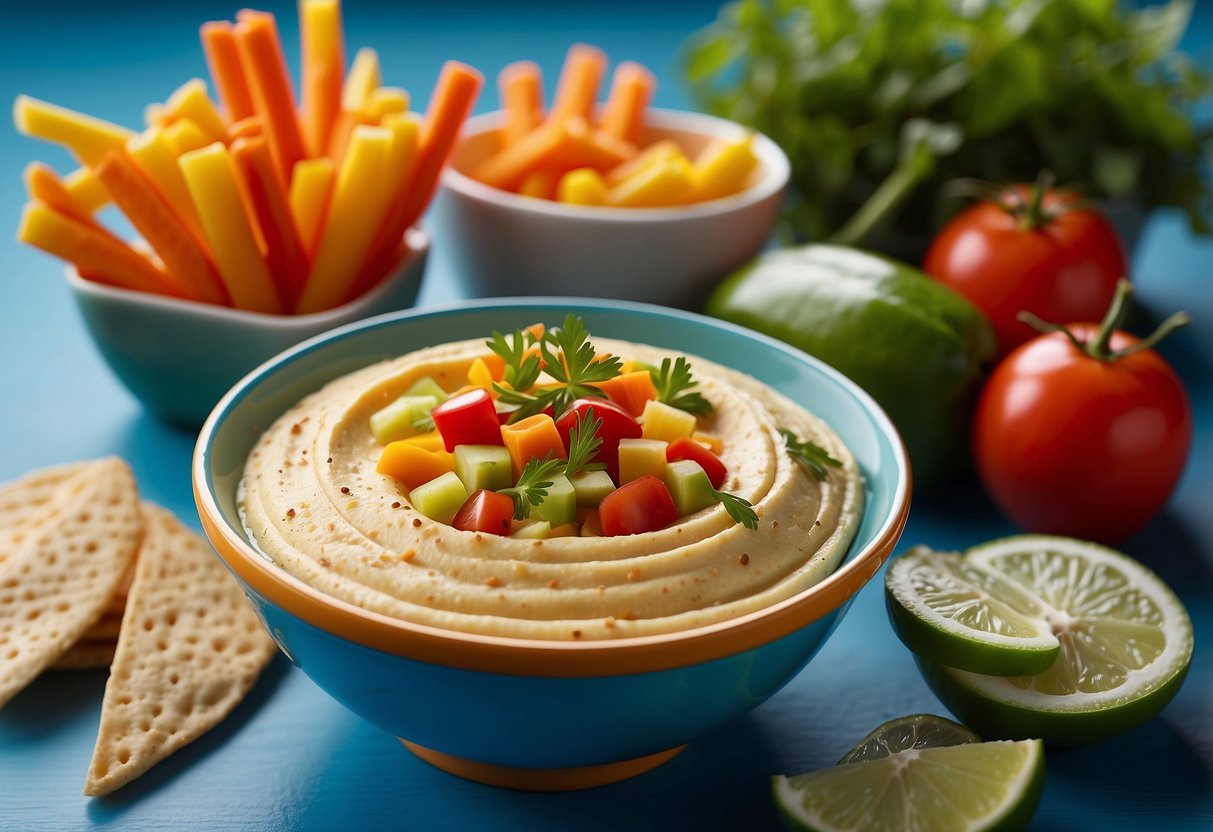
538	475
812	457
521	362
740	509
674	382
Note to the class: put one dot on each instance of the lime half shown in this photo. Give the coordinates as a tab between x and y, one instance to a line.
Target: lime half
1125	644
906	732
975	786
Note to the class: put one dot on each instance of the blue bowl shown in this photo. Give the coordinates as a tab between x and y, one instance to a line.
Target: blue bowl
536	714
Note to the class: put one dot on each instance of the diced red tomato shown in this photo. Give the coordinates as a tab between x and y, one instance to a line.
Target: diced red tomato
617	424
642	505
485	511
686	448
467	419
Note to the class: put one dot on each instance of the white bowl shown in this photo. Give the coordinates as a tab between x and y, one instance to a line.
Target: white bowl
501	243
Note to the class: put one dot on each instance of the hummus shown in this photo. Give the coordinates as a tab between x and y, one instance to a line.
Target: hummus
313	503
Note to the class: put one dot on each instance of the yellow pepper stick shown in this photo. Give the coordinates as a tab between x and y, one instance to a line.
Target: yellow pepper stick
723	168
311	181
88	138
406	129
155	159
363	79
384	101
359	202
86	190
584	186
184	135
211	176
322	43
191	101
661	151
44	185
667	183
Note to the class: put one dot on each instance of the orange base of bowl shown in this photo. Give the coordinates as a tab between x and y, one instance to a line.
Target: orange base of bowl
540	779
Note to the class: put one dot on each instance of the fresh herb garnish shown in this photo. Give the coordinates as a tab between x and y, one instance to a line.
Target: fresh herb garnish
812	457
741	510
584	443
538	474
674	382
424	424
521	362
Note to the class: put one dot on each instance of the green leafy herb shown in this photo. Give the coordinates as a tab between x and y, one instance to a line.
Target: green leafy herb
741	510
533	484
584	443
674	382
425	424
812	457
521	368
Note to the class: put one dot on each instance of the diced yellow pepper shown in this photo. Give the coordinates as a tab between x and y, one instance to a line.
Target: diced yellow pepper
431	441
710	441
584	186
660	421
411	465
723	168
662	183
88	138
479	376
638	457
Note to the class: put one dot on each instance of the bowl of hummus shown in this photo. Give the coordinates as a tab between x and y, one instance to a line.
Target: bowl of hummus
548	542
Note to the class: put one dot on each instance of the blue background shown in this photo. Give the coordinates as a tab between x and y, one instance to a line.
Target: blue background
291	758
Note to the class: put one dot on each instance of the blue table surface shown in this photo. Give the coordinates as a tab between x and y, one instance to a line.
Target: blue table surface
291	758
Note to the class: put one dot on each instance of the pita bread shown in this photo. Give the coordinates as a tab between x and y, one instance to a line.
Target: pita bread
87	655
25	503
62	571
189	649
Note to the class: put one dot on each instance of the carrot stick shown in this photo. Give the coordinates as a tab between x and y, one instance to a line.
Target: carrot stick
579	80
453	97
211	176
322	44
521	88
265	67
86	191
88	138
360	199
223	59
191	101
44	185
246	128
631	91
157	161
311	184
285	256
96	253
184	256
557	146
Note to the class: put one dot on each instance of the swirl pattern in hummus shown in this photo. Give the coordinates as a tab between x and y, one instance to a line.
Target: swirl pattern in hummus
313	503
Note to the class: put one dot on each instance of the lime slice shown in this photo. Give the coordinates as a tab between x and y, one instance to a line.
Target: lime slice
1126	642
950	609
983	785
906	732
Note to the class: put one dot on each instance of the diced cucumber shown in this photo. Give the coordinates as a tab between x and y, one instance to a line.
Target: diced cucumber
591	487
559	506
441	498
638	457
396	421
426	386
484	466
689	486
533	530
660	421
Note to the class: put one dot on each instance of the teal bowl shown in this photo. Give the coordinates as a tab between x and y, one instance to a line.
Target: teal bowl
535	714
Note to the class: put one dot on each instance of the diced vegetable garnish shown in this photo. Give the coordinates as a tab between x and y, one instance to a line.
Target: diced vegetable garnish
426	386
640	458
591	526
412	465
479	375
559	503
643	505
430	440
630	390
565	530
400	419
591	487
532	530
441	498
467	419
616	424
661	421
485	511
483	467
689	486
534	437
684	448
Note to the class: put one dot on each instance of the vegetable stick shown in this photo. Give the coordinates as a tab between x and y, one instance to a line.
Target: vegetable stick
96	253
364	78
156	160
661	151
191	101
386	100
211	176
582	186
723	167
157	115
521	88
665	183
311	183
223	59
88	138
577	89
322	45
558	144
285	256
185	257
540	184
452	100
631	91
265	67
86	190
44	185
184	136
360	199
246	128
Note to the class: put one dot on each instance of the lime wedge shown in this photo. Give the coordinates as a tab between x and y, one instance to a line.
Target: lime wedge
1125	644
950	609
906	732
974	786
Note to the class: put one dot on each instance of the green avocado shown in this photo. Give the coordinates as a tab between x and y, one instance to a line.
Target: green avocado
917	347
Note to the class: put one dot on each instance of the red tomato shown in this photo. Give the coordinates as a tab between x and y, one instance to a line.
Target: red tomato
468	419
485	511
684	448
1062	266
1069	444
617	424
642	505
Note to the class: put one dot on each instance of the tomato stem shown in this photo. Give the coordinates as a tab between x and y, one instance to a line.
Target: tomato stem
1032	216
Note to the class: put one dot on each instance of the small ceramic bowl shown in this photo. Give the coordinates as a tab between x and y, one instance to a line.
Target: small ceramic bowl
545	714
501	243
179	357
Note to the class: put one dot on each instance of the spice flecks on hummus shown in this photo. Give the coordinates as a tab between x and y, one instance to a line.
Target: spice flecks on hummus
315	502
